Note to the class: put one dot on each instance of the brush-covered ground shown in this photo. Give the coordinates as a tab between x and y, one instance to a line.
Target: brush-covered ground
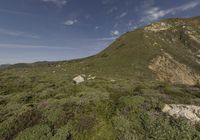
43	103
124	102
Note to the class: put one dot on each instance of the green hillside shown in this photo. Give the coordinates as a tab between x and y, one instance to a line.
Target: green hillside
134	77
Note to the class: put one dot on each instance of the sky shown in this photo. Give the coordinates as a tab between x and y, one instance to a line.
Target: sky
52	30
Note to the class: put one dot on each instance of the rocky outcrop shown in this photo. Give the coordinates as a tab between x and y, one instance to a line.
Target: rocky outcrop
168	69
159	26
189	112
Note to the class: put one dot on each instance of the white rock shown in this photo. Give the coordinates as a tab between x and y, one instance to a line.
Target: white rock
189	112
91	78
166	108
112	80
79	79
83	75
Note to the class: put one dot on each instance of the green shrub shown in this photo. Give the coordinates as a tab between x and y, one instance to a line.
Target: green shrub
63	133
38	132
123	128
168	129
56	117
85	123
11	127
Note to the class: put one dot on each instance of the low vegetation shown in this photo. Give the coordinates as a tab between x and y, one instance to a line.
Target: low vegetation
55	108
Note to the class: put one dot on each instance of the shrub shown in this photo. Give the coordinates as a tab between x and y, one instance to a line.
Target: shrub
168	129
38	132
85	123
104	55
15	124
55	117
123	128
63	133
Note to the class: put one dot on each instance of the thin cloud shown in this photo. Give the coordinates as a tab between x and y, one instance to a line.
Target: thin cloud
154	13
97	27
115	33
18	33
130	23
116	25
106	39
87	16
70	22
16	12
148	3
105	2
122	15
188	6
132	26
113	9
58	3
23	46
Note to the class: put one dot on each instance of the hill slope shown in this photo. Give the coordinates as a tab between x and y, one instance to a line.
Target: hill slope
132	81
175	39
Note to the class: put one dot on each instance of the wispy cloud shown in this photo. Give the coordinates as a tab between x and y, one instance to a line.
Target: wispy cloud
106	39
115	33
104	2
131	25
154	13
23	46
70	22
122	15
18	33
58	3
97	27
113	9
15	12
116	25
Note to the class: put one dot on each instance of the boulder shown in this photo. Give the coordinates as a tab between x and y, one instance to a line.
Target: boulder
78	79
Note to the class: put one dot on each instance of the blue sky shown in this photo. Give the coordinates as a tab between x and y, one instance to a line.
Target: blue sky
39	30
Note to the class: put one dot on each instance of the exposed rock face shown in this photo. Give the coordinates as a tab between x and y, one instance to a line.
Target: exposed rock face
79	79
159	26
190	112
168	69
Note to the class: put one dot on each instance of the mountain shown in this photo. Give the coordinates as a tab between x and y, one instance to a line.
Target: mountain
145	85
170	49
4	66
